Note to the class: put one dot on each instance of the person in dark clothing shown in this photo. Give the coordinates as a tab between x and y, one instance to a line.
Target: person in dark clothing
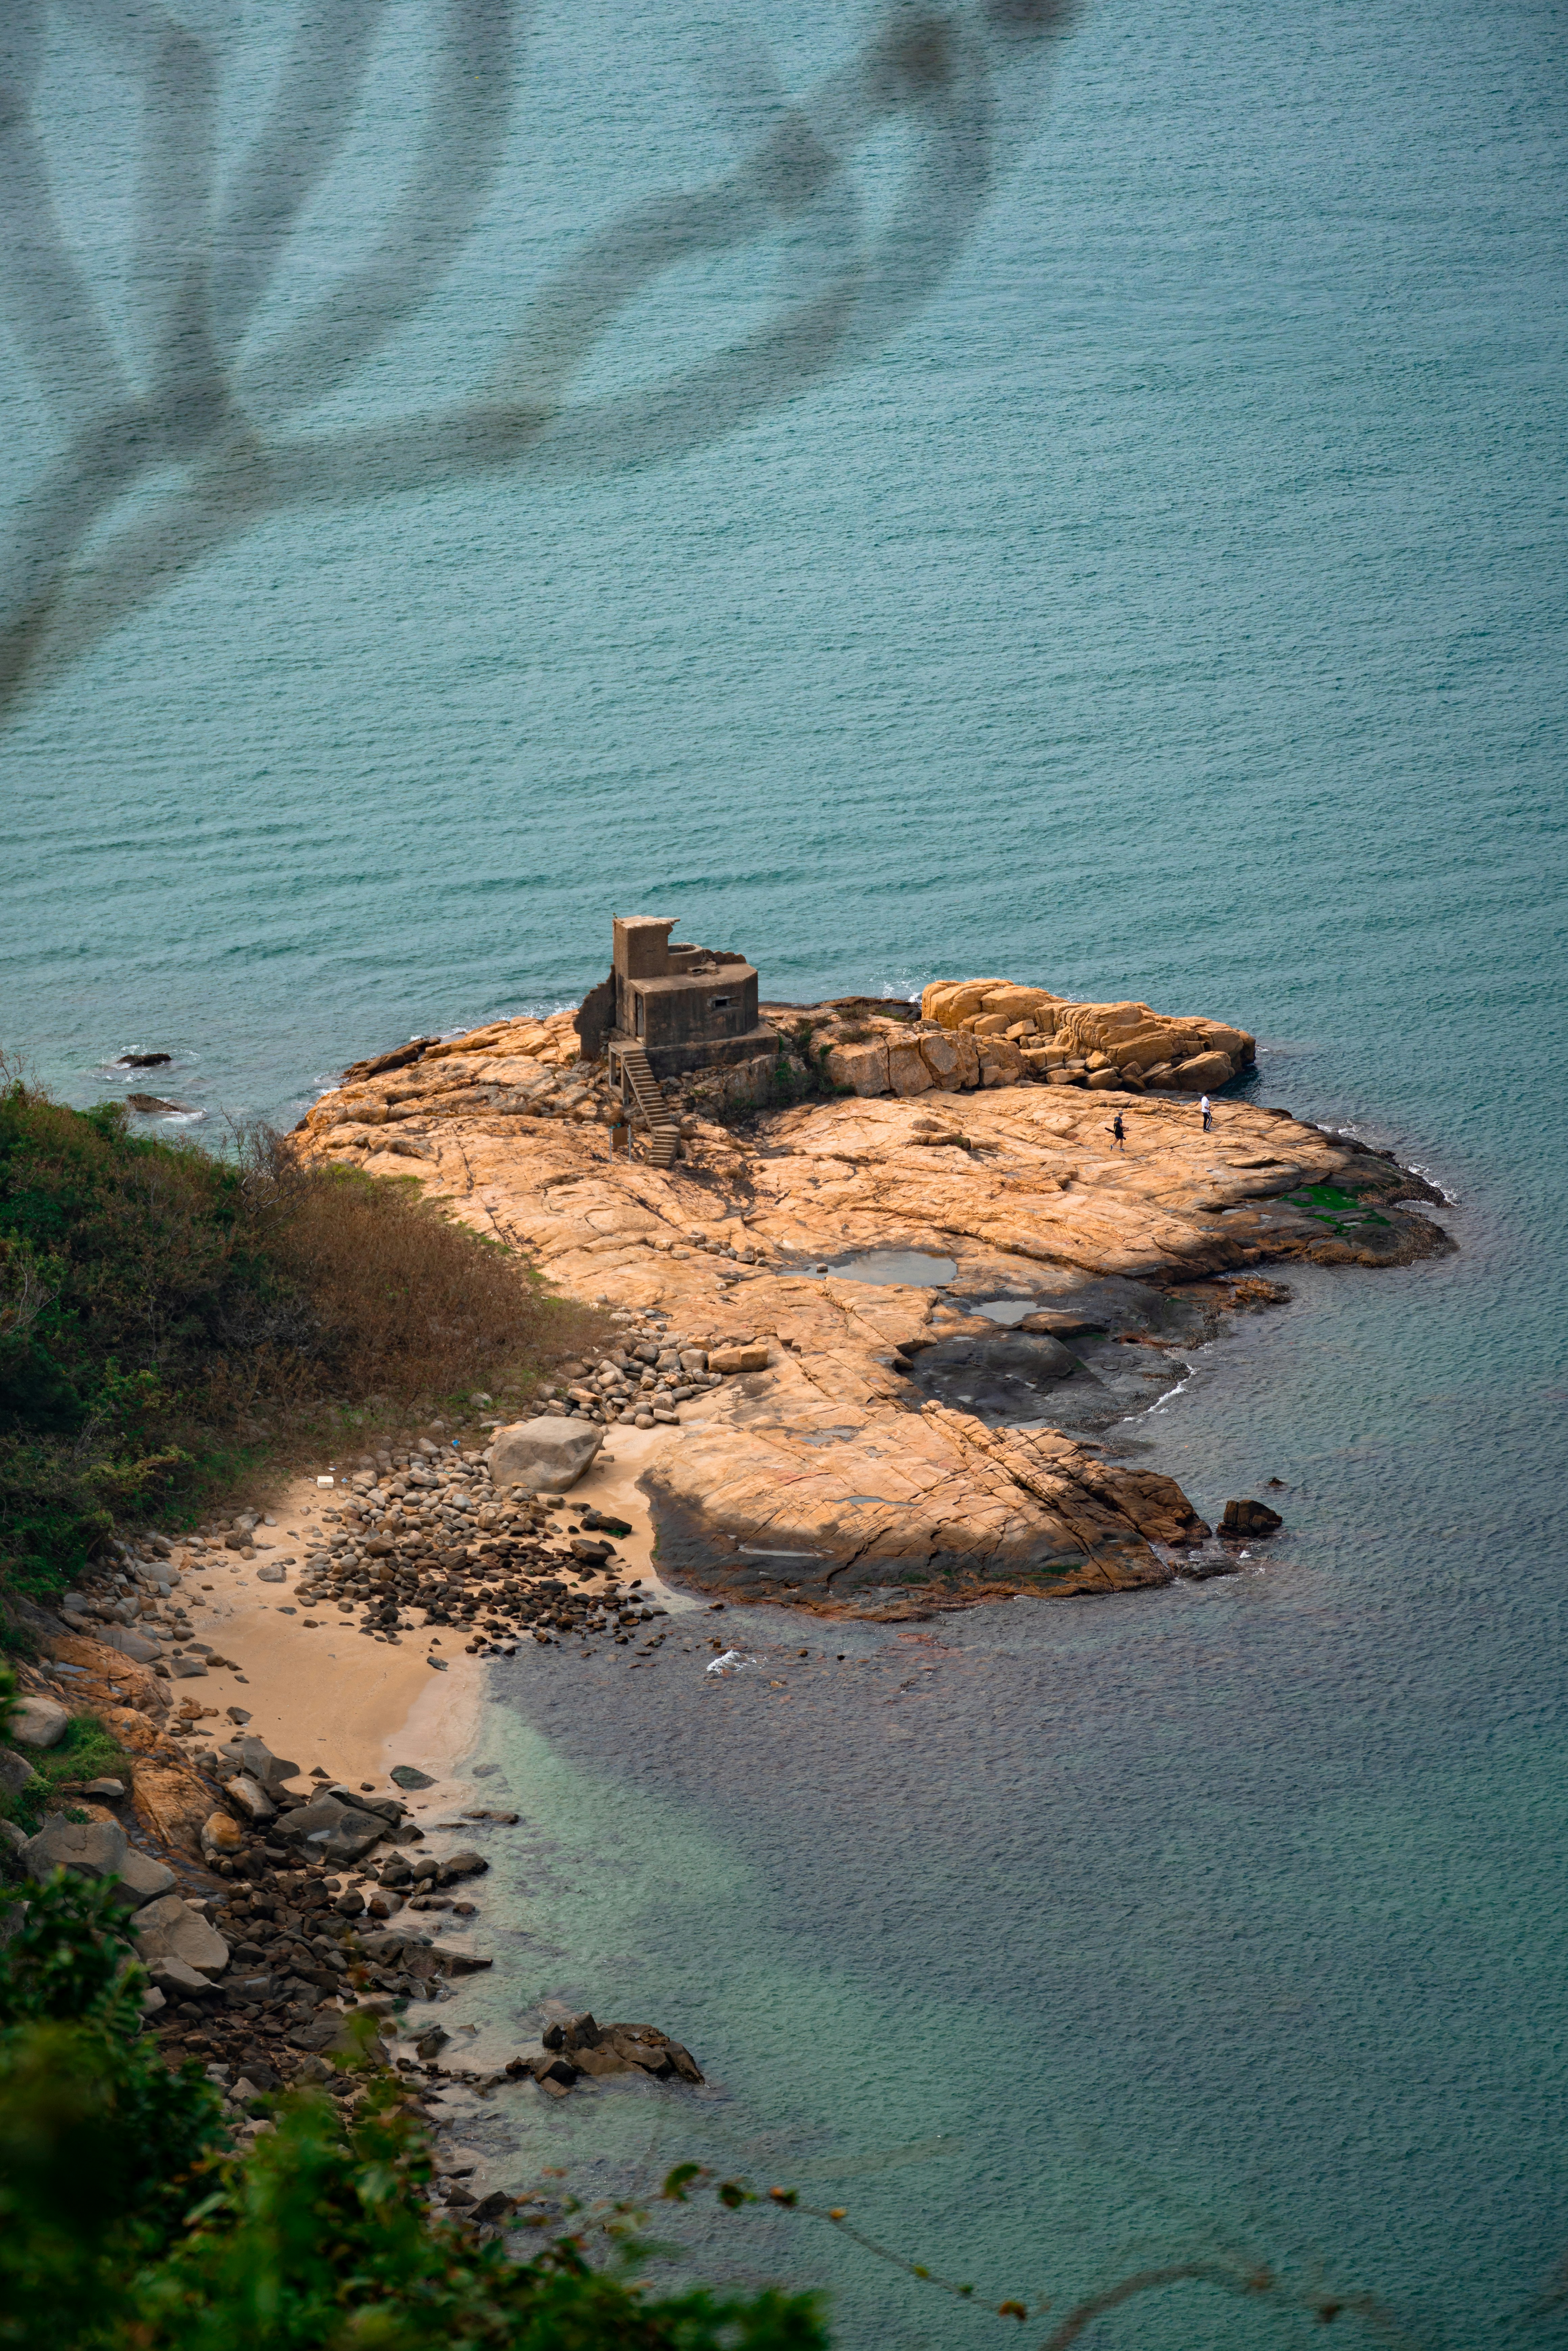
1119	1131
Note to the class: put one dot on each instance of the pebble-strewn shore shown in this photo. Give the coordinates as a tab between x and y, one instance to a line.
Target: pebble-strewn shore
275	1901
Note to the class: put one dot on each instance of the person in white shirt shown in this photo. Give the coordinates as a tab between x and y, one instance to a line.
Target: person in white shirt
1206	1107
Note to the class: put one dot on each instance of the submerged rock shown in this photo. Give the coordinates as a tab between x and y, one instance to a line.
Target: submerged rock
1247	1518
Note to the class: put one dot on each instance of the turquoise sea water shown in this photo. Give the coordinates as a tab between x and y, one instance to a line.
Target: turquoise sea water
1157	588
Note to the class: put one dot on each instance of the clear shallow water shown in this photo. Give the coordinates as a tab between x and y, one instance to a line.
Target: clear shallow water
882	1268
1172	605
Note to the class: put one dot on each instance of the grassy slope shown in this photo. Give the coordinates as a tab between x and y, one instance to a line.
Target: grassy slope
170	1321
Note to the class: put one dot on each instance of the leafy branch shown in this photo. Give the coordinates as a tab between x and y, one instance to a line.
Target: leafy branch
1230	2272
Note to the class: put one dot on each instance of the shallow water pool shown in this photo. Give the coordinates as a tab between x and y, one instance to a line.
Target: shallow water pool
916	1267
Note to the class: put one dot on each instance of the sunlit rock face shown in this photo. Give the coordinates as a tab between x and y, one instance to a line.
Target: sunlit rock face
954	1289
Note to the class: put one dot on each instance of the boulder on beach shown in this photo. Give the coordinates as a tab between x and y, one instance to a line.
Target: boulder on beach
169	1928
337	1831
38	1722
178	1979
139	1647
96	1849
249	1799
254	1759
547	1455
221	1836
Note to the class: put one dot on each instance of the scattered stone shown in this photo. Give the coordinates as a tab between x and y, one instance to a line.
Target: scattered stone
177	1979
97	1849
252	1799
105	1792
169	1928
141	1648
221	1835
254	1760
325	2032
338	1831
406	1775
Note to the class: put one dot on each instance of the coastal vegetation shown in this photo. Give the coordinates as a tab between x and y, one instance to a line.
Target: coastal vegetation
86	1751
132	2218
172	1320
129	2221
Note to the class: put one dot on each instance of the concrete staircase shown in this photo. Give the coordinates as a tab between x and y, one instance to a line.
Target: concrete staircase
664	1128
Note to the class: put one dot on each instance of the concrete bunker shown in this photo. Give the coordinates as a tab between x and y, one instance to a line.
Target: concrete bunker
685	1008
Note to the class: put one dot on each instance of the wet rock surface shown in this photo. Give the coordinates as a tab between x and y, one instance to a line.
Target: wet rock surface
1250	1519
580	2048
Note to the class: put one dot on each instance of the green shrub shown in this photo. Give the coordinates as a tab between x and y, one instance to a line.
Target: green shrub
799	1070
166	1316
126	2226
86	1752
101	2144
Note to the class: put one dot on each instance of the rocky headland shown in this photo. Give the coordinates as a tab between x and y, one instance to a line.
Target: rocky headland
899	1274
865	1335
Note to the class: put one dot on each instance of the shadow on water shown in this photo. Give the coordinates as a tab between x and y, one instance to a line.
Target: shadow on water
222	404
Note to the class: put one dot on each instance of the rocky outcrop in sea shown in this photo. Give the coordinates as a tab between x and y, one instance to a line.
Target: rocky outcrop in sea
895	1289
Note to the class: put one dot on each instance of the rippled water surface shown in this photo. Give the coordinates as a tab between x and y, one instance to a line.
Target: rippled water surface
1169	604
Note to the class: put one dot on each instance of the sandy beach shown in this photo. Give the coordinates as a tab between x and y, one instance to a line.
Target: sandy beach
332	1697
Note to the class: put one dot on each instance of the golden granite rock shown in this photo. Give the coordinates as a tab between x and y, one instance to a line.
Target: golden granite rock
833	1472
